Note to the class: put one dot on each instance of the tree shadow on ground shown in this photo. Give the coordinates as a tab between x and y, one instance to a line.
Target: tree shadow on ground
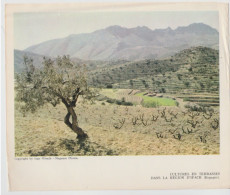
70	147
85	147
48	150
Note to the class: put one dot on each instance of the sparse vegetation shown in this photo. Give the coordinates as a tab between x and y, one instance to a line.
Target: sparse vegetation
148	107
121	131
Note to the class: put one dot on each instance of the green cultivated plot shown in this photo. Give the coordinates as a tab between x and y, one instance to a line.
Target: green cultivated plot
156	101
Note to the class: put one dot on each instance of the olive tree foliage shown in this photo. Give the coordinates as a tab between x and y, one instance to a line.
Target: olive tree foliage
59	81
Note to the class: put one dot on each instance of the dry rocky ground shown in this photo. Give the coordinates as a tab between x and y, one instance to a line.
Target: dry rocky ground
118	130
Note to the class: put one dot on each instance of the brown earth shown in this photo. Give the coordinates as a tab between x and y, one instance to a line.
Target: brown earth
45	134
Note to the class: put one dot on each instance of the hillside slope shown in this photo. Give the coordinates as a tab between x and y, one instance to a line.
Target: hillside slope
189	72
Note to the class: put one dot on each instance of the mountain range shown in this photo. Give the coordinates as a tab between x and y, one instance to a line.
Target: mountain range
121	43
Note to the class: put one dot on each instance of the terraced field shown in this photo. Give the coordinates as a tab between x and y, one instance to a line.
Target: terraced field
156	101
192	74
202	99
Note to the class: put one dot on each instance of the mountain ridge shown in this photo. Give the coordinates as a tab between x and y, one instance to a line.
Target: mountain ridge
141	42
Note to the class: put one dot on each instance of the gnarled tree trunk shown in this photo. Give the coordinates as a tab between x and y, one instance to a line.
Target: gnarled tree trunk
74	125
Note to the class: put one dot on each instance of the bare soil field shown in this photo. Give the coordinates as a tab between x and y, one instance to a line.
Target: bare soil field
118	130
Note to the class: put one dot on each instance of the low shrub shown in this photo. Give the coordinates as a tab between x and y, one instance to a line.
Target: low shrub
111	101
177	103
197	108
119	102
109	86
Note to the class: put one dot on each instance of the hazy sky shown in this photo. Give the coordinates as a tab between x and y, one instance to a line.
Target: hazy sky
34	28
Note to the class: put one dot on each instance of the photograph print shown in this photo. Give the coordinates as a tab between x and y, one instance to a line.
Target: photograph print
116	83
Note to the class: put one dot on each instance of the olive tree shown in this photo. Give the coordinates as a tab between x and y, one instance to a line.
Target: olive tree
59	81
